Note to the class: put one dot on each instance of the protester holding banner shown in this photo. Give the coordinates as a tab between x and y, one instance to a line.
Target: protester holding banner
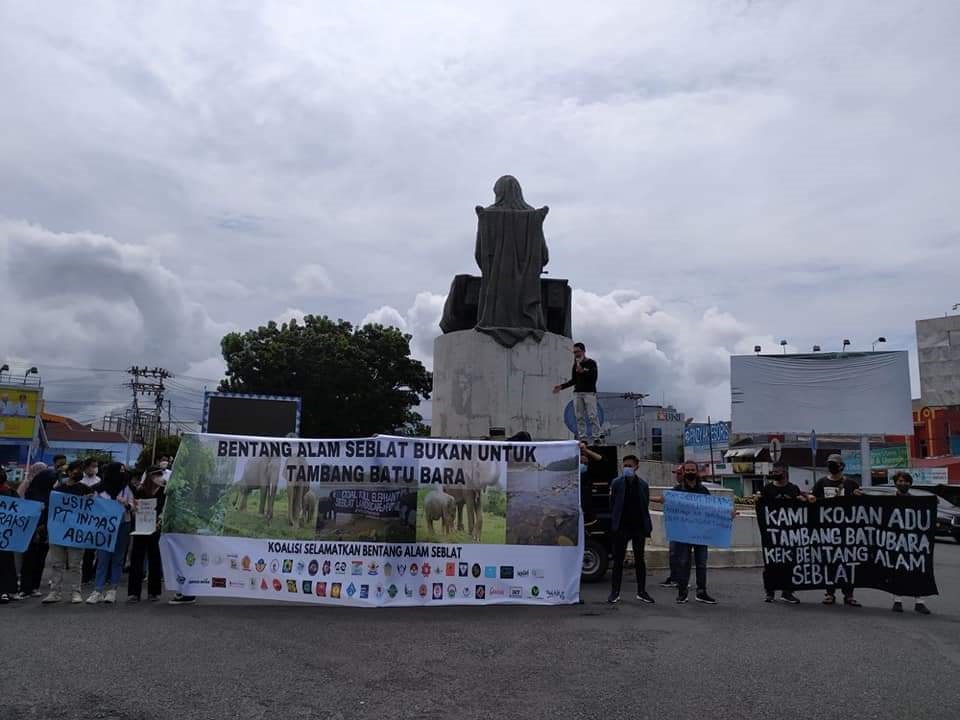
836	484
779	488
681	553
146	547
114	486
630	522
904	481
67	560
35	557
8	566
91	478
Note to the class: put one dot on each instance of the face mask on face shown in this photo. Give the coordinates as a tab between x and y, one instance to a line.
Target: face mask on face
834	468
628	471
690	477
776	478
163	464
903	489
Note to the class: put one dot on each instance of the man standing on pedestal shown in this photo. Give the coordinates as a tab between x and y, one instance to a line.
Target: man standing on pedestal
583	380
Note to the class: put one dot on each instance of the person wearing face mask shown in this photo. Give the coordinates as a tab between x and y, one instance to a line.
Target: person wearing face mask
680	553
904	481
779	488
836	484
630	523
583	380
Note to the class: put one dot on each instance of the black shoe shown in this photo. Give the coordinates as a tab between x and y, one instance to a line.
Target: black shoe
850	602
704	598
769	598
644	597
613	599
921	608
789	597
133	598
179	599
668	583
681	597
898	607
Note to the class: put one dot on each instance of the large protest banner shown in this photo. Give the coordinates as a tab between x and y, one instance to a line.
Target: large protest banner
698	519
374	521
83	521
885	543
18	522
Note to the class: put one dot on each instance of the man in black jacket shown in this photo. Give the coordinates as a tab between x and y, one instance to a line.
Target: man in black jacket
630	523
583	380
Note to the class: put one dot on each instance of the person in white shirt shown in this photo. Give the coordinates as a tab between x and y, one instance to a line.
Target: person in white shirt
21	410
6	409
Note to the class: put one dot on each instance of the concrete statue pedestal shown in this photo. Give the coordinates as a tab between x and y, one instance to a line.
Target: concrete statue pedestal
479	384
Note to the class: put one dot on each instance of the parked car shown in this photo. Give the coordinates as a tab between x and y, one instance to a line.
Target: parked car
948	516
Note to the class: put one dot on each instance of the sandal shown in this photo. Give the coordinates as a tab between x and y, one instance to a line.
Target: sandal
830	600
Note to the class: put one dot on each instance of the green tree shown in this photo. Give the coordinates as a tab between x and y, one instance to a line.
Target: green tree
353	382
166	445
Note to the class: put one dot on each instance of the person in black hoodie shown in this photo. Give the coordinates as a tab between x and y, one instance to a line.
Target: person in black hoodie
35	557
8	566
779	488
836	484
904	481
147	546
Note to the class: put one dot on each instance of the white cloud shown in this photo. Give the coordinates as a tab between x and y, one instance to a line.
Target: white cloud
312	280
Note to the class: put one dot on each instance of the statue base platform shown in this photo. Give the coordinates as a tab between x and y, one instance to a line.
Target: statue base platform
478	384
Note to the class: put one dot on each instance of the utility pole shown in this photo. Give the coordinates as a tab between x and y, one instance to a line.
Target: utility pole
149	382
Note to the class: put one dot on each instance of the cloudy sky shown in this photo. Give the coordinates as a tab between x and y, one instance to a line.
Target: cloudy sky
720	173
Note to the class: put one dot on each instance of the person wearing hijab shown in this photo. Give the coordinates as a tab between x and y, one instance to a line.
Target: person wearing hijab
8	566
35	557
32	472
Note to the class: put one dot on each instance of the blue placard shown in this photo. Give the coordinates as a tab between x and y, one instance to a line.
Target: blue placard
18	522
698	519
83	521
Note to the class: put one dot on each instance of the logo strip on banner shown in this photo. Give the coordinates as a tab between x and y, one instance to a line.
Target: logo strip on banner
374	521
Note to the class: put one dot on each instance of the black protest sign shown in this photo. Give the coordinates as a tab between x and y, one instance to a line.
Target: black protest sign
885	543
368	503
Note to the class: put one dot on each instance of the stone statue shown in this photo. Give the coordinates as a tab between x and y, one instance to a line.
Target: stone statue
511	252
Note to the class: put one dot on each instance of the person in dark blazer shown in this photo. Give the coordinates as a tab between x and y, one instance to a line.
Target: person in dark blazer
630	523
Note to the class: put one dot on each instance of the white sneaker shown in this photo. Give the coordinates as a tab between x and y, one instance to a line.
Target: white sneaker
95	597
76	598
110	597
53	597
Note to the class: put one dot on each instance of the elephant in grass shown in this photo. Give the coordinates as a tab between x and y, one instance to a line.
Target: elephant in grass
261	474
469	497
438	505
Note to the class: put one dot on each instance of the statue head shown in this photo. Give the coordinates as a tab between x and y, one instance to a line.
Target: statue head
508	194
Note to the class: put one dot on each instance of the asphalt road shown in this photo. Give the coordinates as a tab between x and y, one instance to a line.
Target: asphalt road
739	659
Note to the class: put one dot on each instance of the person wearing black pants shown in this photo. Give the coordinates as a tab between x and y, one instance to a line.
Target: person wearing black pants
630	522
147	547
35	557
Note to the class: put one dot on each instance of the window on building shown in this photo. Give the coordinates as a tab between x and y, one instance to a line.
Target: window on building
656	443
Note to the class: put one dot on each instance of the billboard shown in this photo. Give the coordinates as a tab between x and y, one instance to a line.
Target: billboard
256	415
697	438
938	349
20	407
850	393
881	457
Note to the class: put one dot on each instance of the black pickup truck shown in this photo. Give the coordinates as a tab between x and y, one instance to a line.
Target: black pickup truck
595	503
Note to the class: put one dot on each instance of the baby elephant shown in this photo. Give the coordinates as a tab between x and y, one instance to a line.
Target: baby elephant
437	505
